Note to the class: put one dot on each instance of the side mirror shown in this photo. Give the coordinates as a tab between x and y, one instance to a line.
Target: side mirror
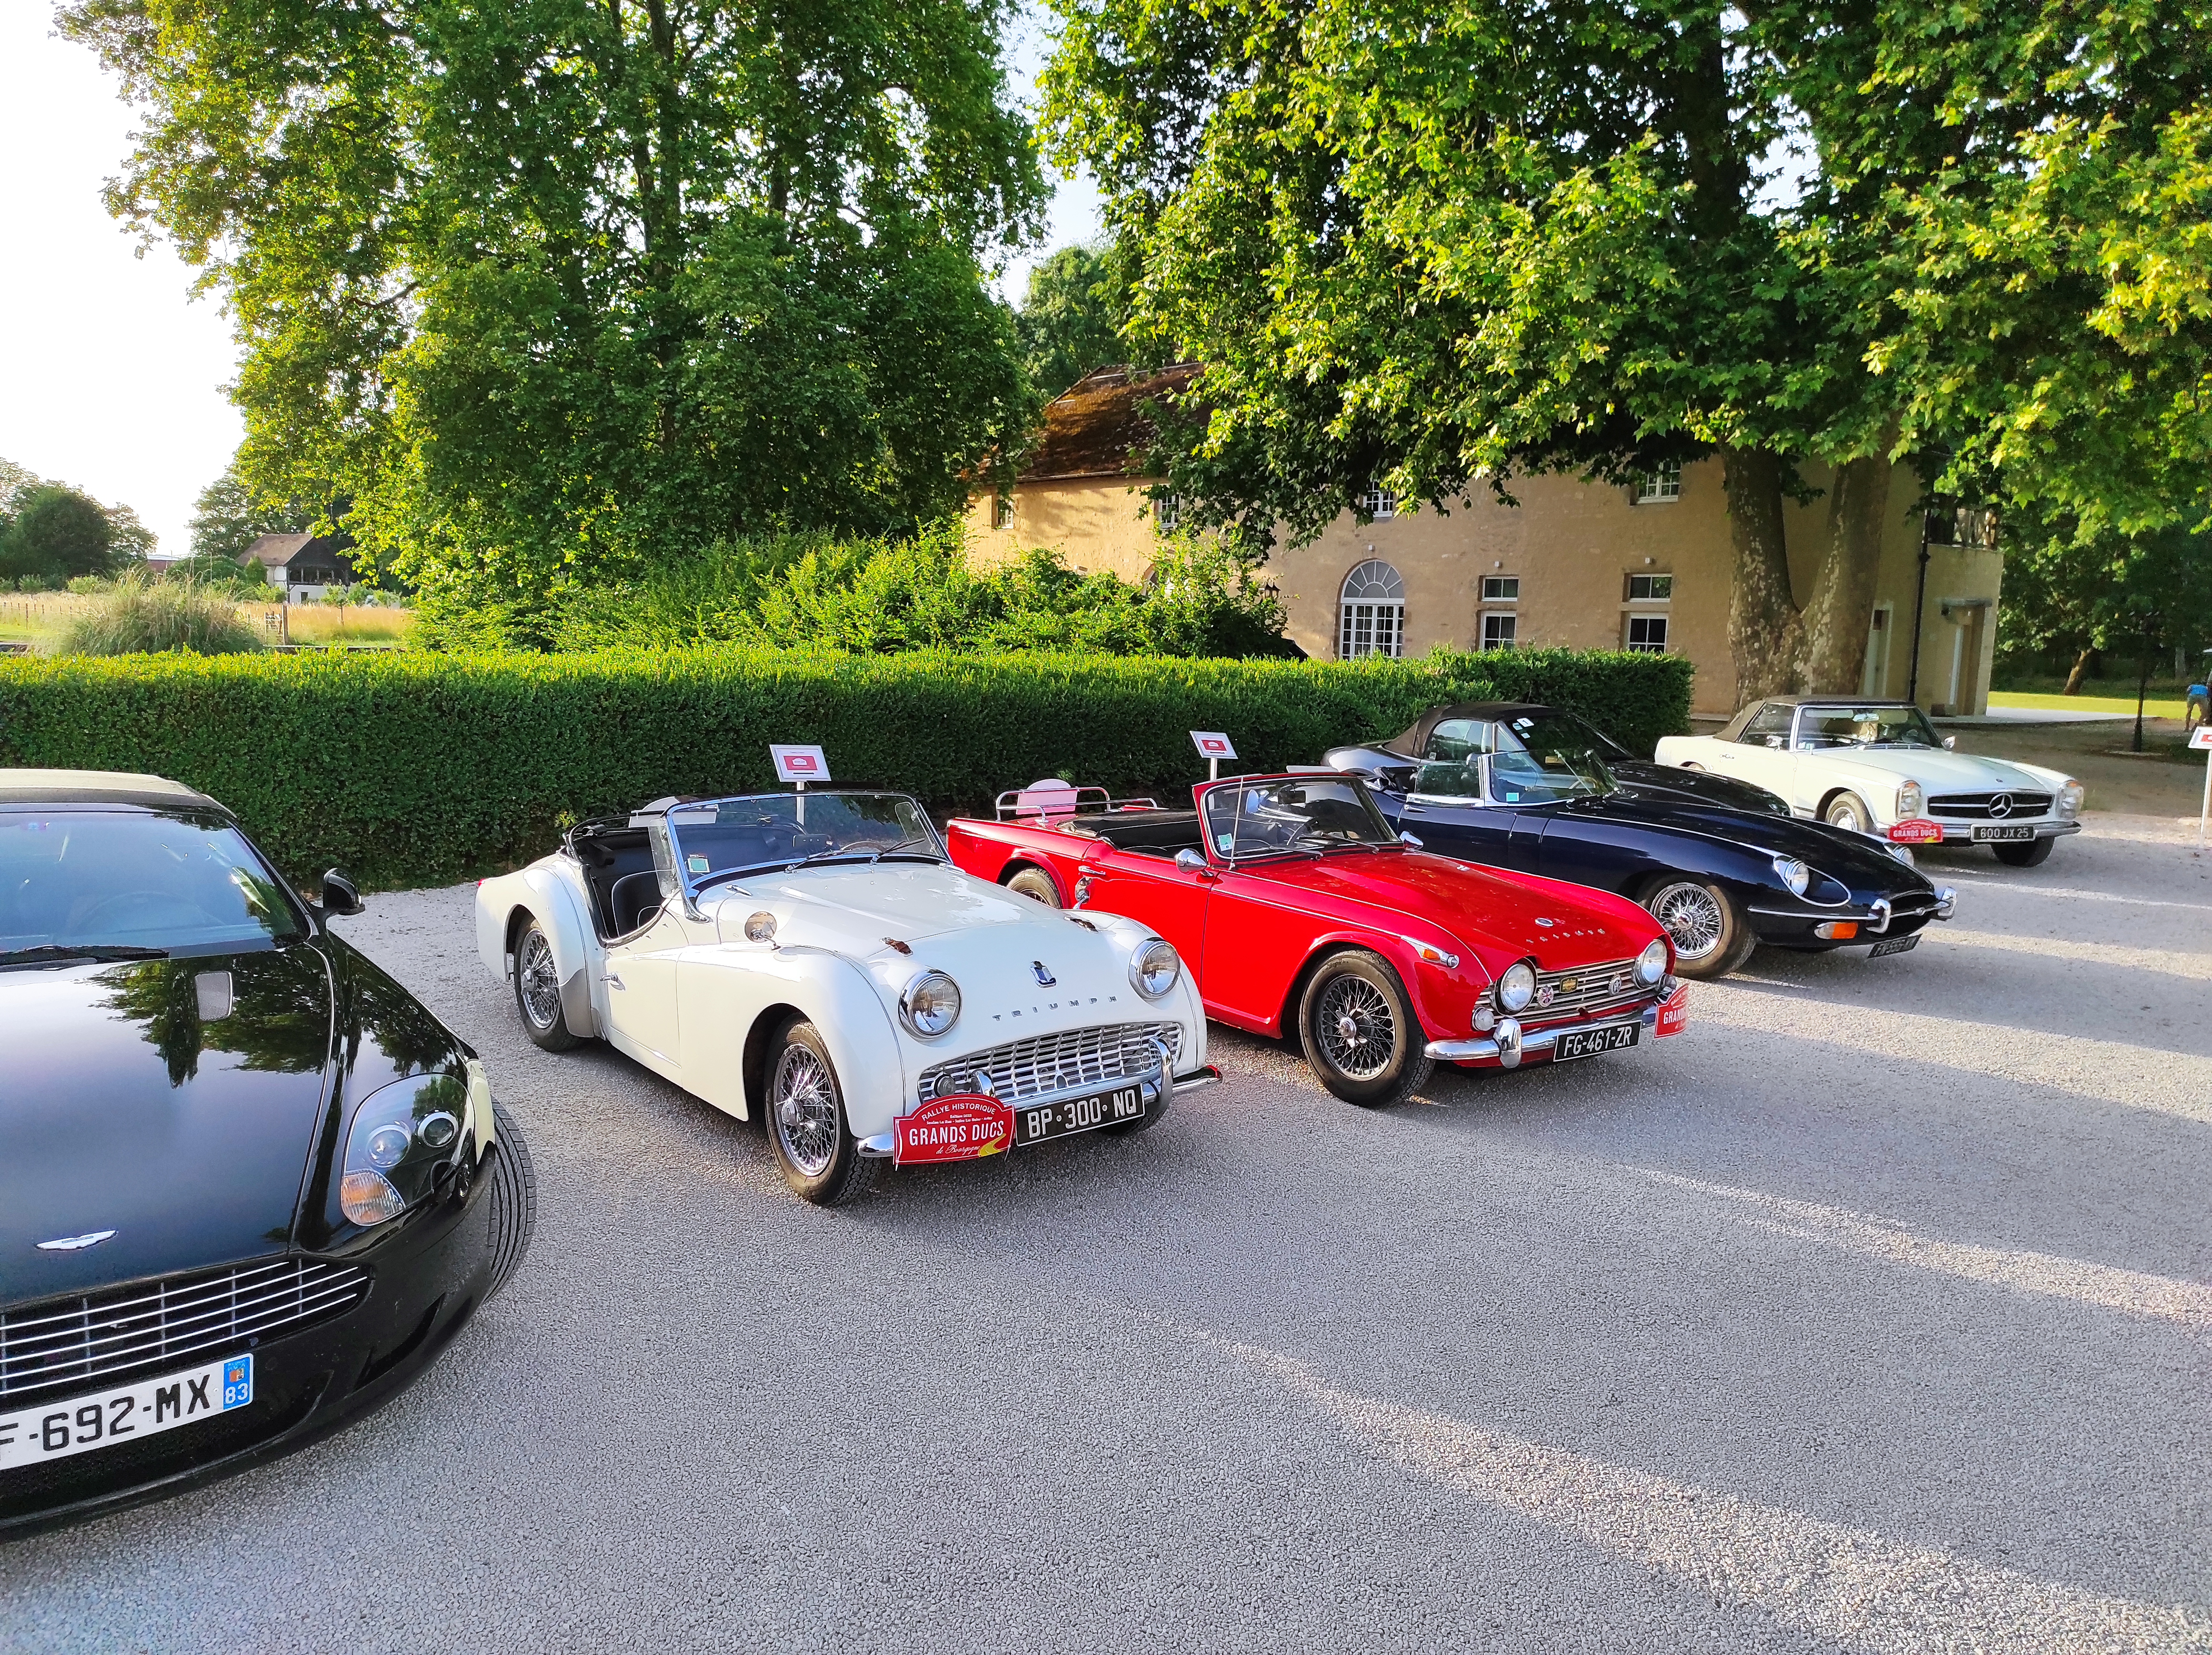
341	896
1407	839
1191	862
1950	741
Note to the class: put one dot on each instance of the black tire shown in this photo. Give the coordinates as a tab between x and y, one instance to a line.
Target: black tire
1036	884
1849	810
1711	933
537	991
1371	1051
807	1130
514	1197
2033	854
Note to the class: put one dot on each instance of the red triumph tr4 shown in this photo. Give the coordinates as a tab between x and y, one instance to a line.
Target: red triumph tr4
1294	904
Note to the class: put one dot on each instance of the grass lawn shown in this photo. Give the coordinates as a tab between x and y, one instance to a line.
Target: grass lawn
2161	704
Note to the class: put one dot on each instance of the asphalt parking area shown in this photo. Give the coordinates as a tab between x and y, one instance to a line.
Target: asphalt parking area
1874	1314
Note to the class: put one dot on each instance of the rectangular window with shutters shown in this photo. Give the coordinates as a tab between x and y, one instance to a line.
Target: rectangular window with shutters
1498	631
1501	589
1647	635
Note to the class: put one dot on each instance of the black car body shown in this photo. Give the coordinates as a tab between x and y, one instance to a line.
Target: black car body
1522	789
182	1155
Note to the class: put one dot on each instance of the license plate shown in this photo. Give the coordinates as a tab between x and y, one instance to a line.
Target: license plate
1896	945
34	1435
1072	1115
1588	1042
1984	834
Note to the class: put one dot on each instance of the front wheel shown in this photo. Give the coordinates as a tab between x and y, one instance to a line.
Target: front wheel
2033	854
1359	1032
807	1126
1036	884
1710	931
1849	810
538	992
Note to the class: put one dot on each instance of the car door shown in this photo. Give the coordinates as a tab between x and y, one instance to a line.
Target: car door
1448	812
641	993
1760	753
1150	889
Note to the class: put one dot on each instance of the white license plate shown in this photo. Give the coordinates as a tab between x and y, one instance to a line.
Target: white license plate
1984	834
1895	945
55	1430
1588	1042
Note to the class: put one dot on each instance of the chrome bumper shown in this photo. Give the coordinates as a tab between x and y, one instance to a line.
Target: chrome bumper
1963	832
1507	1045
883	1144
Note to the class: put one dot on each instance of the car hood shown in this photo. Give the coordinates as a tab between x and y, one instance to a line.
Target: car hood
853	907
1643	779
1475	904
1938	771
122	1108
1855	858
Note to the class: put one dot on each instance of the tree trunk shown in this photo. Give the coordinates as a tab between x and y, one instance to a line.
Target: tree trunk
1842	608
2083	663
1764	628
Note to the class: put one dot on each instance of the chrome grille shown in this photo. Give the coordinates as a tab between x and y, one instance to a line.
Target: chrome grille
67	1342
1059	1062
1975	806
1593	992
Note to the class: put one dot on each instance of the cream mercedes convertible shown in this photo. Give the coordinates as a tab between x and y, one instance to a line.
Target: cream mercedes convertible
814	959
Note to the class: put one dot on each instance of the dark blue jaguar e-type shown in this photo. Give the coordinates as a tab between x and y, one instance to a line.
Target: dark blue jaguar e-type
1536	789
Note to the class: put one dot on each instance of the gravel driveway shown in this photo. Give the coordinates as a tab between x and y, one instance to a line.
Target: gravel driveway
1874	1314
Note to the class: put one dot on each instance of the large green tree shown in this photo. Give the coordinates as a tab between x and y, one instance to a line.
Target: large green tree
554	284
227	518
54	533
1441	245
1070	321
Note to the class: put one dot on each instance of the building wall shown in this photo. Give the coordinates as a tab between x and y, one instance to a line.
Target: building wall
1573	547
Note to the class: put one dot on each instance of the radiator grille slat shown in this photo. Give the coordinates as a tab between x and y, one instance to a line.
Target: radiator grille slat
1597	989
1056	1062
1975	806
63	1343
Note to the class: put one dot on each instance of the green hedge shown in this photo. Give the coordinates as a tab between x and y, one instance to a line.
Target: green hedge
410	768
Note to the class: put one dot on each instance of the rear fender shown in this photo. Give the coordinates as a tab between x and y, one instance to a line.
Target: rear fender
543	892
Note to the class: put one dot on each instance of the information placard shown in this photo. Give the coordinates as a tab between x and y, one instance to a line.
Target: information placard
1212	745
799	764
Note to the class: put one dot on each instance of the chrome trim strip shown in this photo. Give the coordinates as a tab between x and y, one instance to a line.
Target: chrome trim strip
1543	1039
1197	1080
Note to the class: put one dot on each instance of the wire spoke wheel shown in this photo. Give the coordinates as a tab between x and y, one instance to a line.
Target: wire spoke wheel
802	1111
1692	917
1357	1028
539	980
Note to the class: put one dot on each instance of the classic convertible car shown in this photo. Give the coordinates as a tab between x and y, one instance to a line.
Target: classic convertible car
249	1187
813	958
1529	791
1879	767
1300	907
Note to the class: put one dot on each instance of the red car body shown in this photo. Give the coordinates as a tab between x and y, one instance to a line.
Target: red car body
1253	930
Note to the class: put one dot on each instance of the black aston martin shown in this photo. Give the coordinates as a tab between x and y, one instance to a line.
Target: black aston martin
1527	788
249	1186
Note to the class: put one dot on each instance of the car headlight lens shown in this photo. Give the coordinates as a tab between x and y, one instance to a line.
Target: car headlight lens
2069	798
1517	987
1155	968
930	1005
406	1143
1793	873
1903	853
1651	964
1910	801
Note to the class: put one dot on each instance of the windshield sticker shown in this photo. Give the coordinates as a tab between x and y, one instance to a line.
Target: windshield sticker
698	865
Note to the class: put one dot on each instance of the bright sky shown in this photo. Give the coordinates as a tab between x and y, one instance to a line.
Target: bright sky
111	375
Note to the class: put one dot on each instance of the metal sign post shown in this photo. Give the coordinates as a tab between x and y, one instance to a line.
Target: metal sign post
801	764
1213	747
2200	740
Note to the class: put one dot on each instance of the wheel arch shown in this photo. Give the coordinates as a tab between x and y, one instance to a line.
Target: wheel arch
538	894
1021	861
1326	949
766	1026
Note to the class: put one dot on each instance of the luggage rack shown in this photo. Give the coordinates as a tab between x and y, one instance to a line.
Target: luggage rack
1047	802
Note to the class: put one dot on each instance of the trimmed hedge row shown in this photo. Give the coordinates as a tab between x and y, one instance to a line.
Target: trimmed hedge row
412	768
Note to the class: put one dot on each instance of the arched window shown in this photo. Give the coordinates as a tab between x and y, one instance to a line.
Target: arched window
1371	618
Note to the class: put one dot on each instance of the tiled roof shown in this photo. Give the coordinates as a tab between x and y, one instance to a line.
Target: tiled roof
1097	427
276	551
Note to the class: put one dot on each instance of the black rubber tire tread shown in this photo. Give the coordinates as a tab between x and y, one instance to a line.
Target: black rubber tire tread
1737	938
1861	818
560	1037
1410	1066
849	1172
1036	884
513	1198
2033	854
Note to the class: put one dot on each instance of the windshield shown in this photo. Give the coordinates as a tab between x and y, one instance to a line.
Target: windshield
725	837
1864	726
1309	816
132	881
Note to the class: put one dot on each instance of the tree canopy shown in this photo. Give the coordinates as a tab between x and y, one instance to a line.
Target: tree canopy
227	518
550	287
54	534
1070	321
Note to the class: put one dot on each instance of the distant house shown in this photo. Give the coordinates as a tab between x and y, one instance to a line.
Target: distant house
304	567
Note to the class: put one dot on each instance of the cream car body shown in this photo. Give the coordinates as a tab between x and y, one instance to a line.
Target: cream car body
1790	746
693	982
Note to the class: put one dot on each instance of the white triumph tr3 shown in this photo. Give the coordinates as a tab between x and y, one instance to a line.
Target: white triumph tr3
815	958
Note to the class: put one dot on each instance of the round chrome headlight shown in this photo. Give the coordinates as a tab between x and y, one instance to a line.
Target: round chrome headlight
1155	968
1794	874
1518	987
1651	964
930	1005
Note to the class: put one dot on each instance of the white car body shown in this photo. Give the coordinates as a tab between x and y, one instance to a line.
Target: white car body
1048	1010
1770	743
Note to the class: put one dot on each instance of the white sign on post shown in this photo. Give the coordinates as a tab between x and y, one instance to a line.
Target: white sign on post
2201	738
1213	747
799	764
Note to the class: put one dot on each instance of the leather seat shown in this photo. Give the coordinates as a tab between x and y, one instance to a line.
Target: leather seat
633	899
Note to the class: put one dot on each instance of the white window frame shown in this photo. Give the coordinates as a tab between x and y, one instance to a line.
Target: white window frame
1651	574
1501	597
1661	485
1002	511
1512	620
1370	612
1647	616
1167	512
1379	503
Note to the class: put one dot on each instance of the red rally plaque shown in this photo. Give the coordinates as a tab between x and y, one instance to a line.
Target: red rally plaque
1916	830
957	1128
1675	1011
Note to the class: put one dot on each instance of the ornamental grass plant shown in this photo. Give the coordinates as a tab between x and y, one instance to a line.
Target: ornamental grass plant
141	616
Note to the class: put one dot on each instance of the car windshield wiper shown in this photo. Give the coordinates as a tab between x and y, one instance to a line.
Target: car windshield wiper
49	953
